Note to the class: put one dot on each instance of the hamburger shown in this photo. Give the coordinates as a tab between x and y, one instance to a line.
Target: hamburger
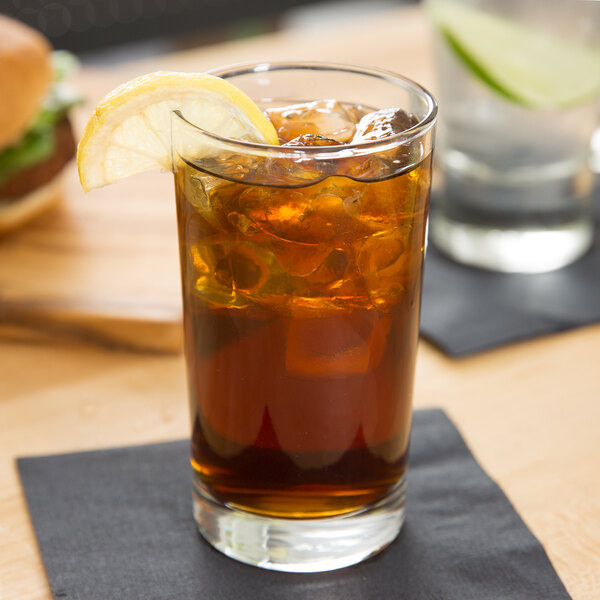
36	139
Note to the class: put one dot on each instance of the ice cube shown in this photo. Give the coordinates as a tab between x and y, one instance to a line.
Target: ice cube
233	166
242	223
365	168
383	163
376	207
315	429
312	139
383	123
202	265
309	216
331	348
243	167
303	169
386	265
299	259
198	218
322	117
277	211
232	273
326	217
336	282
244	268
381	254
331	272
232	421
337	345
208	199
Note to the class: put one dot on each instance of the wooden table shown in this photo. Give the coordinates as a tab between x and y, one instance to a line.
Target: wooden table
530	412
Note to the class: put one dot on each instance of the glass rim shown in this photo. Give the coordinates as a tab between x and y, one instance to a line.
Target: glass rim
341	150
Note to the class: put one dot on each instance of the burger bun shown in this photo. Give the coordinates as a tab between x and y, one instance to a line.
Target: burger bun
25	73
17	212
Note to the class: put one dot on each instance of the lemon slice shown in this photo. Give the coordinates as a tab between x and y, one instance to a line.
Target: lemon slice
130	131
523	64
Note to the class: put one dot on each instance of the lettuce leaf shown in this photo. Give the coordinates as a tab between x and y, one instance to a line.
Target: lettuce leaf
35	147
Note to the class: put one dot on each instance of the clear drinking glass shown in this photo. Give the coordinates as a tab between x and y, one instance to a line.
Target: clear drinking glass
513	149
301	270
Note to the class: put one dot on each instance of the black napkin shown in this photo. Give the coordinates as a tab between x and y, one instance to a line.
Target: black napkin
466	310
118	524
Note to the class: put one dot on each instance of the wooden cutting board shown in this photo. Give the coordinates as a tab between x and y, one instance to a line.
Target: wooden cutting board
101	266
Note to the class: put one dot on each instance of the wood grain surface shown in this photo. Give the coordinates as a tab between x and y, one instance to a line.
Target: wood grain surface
530	412
101	266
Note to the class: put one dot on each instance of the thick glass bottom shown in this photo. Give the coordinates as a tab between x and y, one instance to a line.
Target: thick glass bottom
512	250
300	545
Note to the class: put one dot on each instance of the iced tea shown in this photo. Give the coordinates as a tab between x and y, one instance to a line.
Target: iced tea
301	297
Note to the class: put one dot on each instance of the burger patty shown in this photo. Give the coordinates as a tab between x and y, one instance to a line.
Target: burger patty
25	181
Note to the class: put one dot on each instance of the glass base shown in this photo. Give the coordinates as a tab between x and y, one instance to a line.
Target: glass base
300	545
512	250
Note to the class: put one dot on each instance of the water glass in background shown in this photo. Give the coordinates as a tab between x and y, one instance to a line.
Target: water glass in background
519	84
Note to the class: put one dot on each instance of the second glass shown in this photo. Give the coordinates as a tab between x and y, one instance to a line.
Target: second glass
301	269
519	88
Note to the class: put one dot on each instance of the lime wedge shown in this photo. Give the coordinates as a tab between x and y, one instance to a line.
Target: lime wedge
523	64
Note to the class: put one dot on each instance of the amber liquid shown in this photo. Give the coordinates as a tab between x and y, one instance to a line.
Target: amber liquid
301	323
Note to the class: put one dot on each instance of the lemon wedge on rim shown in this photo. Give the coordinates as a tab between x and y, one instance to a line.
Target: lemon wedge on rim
522	63
130	130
